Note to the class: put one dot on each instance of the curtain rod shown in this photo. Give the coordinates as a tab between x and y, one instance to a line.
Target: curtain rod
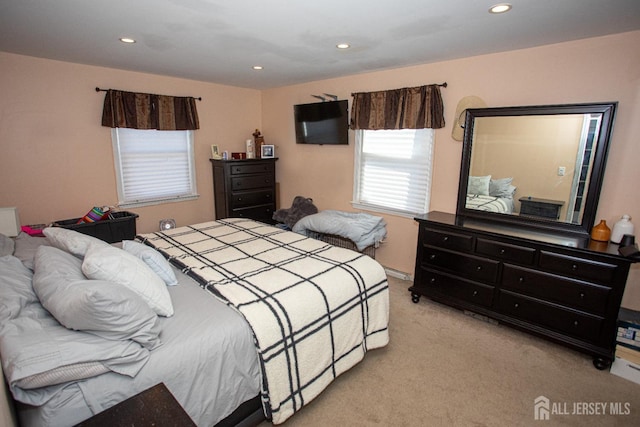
106	90
441	85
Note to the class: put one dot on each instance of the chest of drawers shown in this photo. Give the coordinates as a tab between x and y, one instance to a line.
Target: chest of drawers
559	289
245	188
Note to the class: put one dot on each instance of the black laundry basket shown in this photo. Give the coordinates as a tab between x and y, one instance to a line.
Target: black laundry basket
120	226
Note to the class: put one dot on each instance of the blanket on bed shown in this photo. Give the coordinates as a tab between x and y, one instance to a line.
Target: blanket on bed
361	228
314	309
489	203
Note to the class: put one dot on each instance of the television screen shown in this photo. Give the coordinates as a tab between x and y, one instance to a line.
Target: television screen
322	122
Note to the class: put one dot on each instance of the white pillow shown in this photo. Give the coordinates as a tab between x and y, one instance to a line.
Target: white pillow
113	264
71	241
479	185
153	259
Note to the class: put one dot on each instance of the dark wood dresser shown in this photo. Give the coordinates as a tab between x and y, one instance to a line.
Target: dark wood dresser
564	288
245	188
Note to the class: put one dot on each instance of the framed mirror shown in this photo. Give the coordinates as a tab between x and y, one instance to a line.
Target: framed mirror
536	166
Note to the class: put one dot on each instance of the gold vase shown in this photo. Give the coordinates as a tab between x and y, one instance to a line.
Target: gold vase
601	232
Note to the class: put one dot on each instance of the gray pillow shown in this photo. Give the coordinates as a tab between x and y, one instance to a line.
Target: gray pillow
26	247
501	187
100	307
479	185
6	245
16	292
37	351
71	241
153	259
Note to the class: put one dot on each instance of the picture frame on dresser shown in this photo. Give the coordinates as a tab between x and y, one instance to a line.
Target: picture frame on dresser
267	151
215	152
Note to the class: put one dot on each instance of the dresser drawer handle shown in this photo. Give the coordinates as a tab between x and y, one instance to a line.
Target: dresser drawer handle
521	279
475	293
479	268
433	280
502	251
445	238
582	295
516	305
574	267
432	257
576	323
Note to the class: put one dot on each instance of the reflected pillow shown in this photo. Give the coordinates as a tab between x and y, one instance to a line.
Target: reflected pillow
501	187
479	185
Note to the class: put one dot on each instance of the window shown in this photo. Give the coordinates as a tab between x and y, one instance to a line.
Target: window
393	170
153	166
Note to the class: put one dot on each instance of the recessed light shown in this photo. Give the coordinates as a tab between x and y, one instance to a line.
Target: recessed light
127	40
500	8
257	67
343	45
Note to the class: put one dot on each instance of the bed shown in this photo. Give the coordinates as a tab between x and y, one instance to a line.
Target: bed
249	310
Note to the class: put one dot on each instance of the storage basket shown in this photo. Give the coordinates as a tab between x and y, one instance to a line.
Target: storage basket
120	226
343	242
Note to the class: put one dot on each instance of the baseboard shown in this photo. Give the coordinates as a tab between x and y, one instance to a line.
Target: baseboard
398	274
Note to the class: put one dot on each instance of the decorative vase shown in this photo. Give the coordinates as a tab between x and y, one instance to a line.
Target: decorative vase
620	228
601	232
251	149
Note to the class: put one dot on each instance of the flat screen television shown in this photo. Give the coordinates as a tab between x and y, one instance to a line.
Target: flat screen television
322	123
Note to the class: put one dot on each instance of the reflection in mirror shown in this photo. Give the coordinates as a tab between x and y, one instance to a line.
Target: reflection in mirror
541	166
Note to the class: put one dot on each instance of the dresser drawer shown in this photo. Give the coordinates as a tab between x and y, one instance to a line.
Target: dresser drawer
550	316
441	284
472	267
245	199
569	292
238	169
252	181
262	213
577	267
505	251
442	239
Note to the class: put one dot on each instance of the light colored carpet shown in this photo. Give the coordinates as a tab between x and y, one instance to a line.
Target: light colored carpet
445	368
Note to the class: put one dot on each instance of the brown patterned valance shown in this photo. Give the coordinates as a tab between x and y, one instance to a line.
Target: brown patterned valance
149	111
408	108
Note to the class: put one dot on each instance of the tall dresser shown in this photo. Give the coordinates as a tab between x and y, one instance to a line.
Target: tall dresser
245	188
564	288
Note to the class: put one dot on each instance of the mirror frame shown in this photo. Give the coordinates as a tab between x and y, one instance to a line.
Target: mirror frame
597	172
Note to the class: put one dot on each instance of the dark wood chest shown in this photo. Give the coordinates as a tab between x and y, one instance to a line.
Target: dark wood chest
558	287
245	188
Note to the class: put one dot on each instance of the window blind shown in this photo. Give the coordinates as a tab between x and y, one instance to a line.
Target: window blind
153	166
393	169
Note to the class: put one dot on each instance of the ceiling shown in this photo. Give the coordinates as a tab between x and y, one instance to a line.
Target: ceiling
294	41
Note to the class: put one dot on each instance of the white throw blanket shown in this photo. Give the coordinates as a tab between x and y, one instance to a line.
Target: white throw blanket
314	309
361	228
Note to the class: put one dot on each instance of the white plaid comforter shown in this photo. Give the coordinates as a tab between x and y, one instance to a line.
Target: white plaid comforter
314	309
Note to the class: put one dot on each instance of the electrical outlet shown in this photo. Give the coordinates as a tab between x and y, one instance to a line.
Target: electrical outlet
562	170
